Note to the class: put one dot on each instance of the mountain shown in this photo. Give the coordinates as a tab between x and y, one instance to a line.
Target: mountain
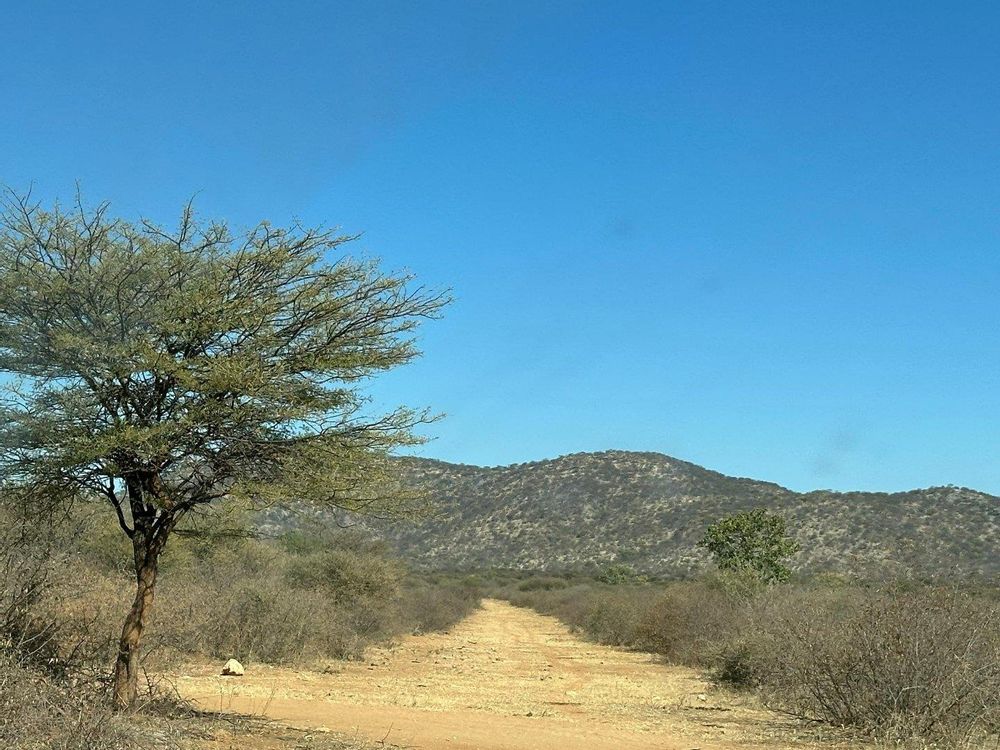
587	510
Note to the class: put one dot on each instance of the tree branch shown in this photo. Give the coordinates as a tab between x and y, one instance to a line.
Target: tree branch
119	512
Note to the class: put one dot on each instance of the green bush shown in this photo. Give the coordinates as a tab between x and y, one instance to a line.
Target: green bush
620	575
346	575
754	544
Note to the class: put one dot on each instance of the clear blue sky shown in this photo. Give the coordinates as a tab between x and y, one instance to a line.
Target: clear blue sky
762	237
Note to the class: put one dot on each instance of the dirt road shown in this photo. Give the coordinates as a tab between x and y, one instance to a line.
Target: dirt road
503	679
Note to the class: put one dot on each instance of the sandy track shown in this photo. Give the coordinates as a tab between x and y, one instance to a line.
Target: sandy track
503	679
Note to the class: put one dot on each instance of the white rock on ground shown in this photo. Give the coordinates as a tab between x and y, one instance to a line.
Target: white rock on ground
233	669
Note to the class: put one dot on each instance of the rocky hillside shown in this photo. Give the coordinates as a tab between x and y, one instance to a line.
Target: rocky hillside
587	510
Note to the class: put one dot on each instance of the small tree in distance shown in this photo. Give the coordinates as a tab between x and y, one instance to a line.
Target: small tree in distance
166	373
620	574
754	543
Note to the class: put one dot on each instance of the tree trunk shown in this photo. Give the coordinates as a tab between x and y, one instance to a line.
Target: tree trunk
126	675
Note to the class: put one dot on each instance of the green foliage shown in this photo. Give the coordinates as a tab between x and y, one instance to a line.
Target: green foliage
347	575
620	574
168	370
752	544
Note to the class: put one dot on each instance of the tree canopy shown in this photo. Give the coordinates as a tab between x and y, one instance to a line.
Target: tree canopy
166	371
753	543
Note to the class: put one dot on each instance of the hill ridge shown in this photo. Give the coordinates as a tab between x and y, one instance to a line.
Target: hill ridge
588	509
658	454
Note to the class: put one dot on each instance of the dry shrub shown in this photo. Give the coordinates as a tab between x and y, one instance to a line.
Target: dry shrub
64	589
612	617
685	622
258	601
51	695
896	664
542	583
690	623
428	605
917	662
27	576
39	712
259	620
50	618
329	594
570	604
307	597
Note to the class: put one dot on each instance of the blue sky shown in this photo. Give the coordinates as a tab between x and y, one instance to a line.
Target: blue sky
762	237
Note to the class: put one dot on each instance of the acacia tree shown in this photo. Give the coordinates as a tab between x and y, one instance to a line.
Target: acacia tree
167	372
753	543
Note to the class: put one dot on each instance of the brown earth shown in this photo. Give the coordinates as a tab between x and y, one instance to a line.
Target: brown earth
505	679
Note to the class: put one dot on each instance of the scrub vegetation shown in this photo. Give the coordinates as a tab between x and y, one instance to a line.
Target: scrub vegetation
303	599
586	511
909	661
